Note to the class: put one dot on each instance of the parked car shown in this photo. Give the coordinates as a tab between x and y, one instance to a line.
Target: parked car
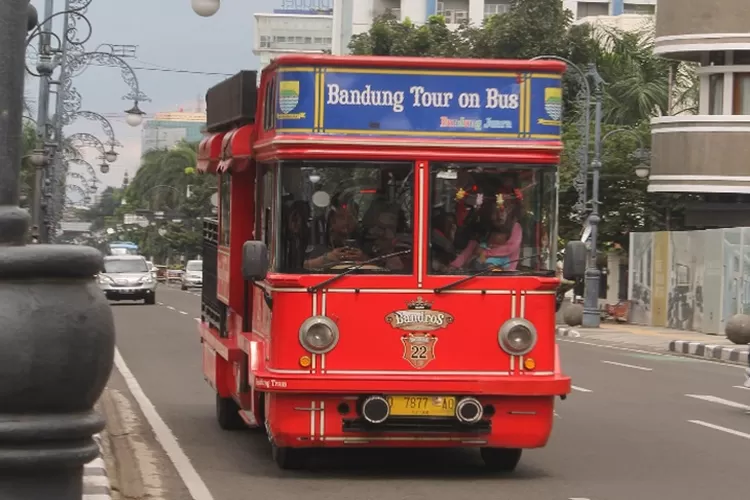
193	275
127	277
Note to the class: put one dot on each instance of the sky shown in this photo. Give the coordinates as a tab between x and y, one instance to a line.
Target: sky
168	36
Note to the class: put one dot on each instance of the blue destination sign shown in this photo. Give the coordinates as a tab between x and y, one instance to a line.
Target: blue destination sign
416	103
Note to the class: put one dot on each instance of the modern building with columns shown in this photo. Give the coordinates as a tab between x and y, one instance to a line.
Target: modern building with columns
707	153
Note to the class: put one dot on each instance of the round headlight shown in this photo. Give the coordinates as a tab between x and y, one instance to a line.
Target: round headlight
318	334
517	336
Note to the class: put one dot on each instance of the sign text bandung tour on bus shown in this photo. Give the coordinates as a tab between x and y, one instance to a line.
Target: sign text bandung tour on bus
421	97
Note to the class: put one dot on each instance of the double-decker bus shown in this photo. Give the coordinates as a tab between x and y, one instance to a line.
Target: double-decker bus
382	269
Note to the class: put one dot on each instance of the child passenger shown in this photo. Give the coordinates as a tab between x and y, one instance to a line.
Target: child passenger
499	248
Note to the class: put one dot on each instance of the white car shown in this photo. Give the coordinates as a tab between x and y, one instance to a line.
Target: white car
127	277
193	275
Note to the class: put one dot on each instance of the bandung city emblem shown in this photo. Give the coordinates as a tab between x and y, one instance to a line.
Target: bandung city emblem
419	349
288	95
419	317
553	106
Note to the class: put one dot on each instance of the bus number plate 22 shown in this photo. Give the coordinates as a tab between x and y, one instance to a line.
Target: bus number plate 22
422	406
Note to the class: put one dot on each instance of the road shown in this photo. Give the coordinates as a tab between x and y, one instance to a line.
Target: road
637	426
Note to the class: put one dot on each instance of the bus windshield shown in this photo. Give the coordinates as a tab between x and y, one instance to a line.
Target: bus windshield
337	214
495	215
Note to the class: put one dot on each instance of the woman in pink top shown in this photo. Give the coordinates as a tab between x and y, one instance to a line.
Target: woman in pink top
501	248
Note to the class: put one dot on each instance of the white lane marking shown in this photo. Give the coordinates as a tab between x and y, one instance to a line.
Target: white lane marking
197	319
579	498
195	485
721	401
171	308
624	365
160	303
652	353
741	387
556	414
580	389
720	428
183	312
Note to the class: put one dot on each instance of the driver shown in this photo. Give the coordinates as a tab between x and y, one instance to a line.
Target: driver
340	243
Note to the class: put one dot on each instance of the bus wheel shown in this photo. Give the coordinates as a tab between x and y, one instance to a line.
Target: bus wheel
288	458
228	414
501	459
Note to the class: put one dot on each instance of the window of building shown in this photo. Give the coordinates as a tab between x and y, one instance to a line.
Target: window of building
741	96
717	58
586	9
742	58
716	94
491	9
635	8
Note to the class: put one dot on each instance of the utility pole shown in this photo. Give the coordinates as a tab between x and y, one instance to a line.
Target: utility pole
57	338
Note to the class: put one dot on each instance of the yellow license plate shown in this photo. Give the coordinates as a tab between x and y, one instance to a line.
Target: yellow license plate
422	406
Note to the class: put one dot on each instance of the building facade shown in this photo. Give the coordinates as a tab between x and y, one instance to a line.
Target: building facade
167	129
707	153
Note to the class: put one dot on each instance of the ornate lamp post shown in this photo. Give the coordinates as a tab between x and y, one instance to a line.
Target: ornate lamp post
57	340
205	8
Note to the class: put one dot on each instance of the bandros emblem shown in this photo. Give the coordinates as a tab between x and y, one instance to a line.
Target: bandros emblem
417	319
553	106
288	101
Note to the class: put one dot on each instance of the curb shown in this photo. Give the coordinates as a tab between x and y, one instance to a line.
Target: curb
710	351
95	477
695	349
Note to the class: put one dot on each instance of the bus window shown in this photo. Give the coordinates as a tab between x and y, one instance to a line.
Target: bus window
265	224
339	213
225	201
487	215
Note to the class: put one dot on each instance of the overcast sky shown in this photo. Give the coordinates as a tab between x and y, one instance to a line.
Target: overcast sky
170	36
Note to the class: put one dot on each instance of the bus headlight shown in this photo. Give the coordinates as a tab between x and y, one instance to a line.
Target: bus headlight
318	334
517	336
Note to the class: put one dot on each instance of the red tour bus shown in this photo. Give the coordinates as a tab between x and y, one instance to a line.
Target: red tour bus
382	270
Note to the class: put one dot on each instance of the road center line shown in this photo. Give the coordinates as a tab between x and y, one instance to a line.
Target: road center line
171	308
741	387
195	485
720	428
580	389
635	367
197	319
183	312
721	401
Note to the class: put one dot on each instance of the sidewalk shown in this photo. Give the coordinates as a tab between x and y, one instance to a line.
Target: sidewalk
715	347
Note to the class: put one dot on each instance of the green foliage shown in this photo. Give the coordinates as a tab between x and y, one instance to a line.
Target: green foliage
637	89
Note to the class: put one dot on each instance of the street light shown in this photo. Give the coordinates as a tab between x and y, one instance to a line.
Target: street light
104	168
205	8
134	115
642	170
111	156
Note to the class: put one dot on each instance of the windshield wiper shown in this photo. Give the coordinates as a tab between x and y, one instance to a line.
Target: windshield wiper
354	268
496	267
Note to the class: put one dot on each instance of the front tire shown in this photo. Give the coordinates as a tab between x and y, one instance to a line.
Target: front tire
183	287
289	458
228	414
501	459
150	299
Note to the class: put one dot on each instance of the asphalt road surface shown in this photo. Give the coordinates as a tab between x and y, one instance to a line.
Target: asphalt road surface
637	426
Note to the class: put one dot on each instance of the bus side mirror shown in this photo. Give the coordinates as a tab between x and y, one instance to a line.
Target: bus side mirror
254	260
574	264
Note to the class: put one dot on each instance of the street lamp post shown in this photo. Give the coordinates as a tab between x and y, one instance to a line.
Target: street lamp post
205	8
591	314
57	340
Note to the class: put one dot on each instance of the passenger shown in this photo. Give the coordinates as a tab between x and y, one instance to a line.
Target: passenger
443	234
503	221
341	242
381	234
297	214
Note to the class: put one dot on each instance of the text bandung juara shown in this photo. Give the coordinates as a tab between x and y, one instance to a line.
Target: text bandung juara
419	97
